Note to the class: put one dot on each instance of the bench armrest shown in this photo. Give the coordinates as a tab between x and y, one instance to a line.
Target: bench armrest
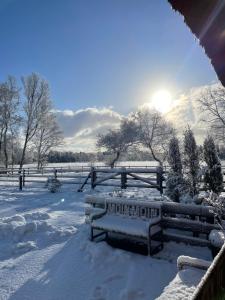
97	215
154	222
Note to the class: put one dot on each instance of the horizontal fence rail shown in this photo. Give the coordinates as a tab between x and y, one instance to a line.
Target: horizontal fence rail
121	176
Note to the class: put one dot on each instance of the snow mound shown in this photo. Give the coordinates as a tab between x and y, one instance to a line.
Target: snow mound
18	226
24	247
18	230
56	234
37	216
217	238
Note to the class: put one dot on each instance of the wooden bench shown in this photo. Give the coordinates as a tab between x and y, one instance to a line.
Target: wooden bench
190	224
134	219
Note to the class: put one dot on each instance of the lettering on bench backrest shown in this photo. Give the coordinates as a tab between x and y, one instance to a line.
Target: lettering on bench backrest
111	208
132	210
144	212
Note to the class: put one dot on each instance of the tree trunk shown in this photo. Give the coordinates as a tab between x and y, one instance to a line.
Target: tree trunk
5	148
1	137
115	159
155	158
24	151
39	150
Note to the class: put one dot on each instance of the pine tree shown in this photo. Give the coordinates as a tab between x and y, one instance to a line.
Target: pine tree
174	157
213	177
191	161
175	184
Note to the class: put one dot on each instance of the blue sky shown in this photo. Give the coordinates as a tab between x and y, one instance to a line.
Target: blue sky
101	52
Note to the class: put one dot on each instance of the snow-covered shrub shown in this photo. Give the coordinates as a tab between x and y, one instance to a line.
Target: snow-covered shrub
176	187
53	184
175	183
218	207
213	177
217	238
191	162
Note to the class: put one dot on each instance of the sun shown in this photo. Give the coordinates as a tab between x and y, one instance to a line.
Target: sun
162	101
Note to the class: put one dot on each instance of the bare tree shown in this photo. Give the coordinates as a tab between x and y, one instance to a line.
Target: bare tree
154	133
212	104
37	104
118	141
47	136
9	102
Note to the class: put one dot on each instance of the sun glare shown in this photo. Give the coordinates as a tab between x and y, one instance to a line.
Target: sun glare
162	101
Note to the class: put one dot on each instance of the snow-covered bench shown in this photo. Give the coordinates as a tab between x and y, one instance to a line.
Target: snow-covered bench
132	218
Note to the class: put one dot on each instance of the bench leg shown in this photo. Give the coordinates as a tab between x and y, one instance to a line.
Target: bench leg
92	236
149	246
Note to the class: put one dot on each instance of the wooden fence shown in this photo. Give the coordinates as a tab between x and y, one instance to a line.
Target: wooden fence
128	177
123	177
212	284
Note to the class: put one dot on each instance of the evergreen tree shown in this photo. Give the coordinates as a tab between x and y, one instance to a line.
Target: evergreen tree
213	177
175	184
191	161
174	157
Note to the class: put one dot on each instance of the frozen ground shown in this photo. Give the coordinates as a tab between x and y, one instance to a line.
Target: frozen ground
45	252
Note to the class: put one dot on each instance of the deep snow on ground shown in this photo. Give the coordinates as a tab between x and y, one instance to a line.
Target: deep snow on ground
45	252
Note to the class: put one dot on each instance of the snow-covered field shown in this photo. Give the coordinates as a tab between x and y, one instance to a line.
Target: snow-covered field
45	252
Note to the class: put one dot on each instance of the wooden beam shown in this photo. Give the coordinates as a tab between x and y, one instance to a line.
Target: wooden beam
143	179
185	239
187	209
188	225
112	176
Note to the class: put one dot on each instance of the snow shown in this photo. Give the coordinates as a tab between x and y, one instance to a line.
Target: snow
119	224
183	285
45	252
187	261
217	238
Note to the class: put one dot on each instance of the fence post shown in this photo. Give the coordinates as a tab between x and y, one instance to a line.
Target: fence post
20	181
24	175
93	177
55	173
123	179
159	179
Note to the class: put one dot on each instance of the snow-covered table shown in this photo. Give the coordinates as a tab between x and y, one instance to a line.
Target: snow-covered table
132	218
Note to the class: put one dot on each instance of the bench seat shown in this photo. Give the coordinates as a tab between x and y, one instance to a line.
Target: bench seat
133	227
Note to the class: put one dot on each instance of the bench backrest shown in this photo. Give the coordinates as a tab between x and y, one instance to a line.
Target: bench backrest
133	209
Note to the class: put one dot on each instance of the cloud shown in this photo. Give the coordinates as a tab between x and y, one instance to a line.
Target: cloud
81	127
187	112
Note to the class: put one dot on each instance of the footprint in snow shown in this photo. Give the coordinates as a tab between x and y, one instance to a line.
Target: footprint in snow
99	294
